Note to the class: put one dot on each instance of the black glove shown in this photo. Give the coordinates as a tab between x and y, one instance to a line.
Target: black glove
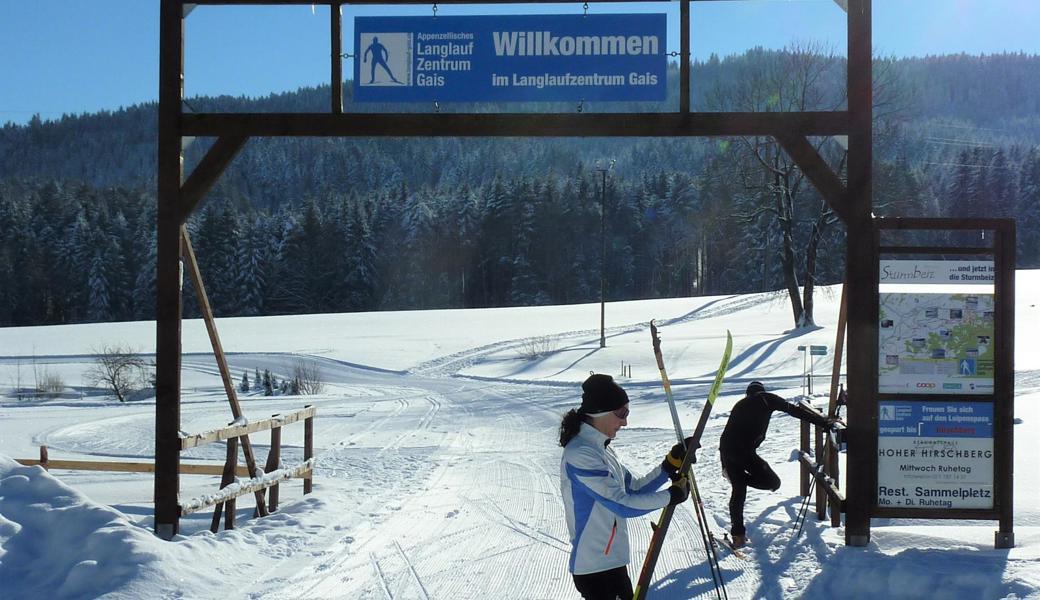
680	491
673	460
832	423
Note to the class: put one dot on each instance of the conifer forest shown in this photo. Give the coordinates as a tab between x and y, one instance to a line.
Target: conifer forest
314	225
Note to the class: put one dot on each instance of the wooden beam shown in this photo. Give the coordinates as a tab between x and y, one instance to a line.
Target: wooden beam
208	171
126	467
255	486
831	462
823	482
167	266
839	348
192	267
684	56
336	28
818	171
226	479
234	431
393	2
1004	385
274	459
515	124
861	278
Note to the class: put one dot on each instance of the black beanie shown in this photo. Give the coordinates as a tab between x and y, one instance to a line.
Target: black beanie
600	394
755	387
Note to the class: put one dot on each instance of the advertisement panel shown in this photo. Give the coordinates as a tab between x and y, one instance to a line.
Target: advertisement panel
510	58
932	272
935	454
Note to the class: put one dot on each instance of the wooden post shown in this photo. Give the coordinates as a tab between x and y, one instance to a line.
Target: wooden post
218	352
226	479
861	278
1004	387
336	25
831	460
229	514
43	456
308	449
168	274
274	459
821	492
804	447
684	56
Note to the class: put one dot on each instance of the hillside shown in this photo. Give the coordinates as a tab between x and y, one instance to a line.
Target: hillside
440	223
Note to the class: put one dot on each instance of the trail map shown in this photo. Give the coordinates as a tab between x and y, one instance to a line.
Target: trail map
936	344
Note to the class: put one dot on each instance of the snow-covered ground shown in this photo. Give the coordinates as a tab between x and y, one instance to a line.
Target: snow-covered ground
438	468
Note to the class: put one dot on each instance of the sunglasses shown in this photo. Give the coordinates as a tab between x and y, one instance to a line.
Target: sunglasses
621	413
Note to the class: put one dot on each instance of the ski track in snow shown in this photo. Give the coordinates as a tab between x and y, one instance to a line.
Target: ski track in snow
434	484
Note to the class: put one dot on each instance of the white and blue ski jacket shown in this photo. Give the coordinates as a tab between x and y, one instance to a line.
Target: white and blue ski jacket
599	494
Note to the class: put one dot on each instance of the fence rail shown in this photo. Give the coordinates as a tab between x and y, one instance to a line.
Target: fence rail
234	490
234	431
123	466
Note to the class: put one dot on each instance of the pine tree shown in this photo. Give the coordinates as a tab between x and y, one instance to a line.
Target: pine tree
99	307
244	386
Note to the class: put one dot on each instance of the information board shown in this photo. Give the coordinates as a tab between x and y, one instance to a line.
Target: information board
510	58
936	344
935	454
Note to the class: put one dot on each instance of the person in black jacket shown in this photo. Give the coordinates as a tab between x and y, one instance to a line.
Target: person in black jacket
745	430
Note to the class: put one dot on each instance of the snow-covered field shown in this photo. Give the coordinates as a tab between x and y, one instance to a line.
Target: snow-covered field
438	468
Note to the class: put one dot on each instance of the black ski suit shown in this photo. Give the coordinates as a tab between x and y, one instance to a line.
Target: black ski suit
745	430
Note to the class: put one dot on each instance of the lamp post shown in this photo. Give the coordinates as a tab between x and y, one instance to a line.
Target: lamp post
603	253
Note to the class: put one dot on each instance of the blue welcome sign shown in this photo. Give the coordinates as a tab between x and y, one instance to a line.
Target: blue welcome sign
510	58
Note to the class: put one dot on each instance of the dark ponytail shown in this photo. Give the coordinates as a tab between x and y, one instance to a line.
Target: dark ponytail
570	425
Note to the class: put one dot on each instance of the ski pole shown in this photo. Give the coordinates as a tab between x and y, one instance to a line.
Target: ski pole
709	541
804	511
666	382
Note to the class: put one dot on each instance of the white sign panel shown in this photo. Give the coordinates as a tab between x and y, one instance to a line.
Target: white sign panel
929	272
936	344
934	454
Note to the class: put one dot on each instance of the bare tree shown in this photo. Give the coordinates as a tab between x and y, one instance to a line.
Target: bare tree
800	78
117	368
306	378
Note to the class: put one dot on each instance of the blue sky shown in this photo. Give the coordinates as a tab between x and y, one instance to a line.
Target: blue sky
73	56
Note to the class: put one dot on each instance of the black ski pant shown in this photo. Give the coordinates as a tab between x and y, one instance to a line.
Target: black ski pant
605	585
745	470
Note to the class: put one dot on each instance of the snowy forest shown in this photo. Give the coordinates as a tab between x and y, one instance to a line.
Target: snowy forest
300	225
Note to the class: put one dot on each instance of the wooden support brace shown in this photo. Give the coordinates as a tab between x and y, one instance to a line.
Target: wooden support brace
818	171
230	461
218	353
274	459
208	171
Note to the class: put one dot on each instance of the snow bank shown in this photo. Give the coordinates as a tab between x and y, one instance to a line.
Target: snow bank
899	566
54	542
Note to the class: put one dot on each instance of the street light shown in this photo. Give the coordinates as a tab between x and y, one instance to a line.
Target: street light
603	251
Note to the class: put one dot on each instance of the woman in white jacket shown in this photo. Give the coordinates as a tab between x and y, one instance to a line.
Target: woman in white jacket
599	493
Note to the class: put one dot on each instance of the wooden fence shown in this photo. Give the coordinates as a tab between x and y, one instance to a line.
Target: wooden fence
273	473
224	499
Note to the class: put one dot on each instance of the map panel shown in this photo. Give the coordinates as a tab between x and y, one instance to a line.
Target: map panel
936	344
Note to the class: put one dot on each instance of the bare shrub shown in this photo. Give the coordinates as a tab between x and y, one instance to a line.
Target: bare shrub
119	369
538	346
48	383
307	378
